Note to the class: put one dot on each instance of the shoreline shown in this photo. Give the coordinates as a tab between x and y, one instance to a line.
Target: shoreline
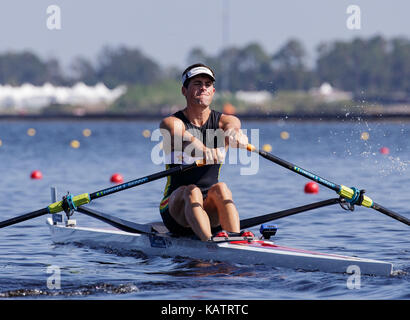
248	117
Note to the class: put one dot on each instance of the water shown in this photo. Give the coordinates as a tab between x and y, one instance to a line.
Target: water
333	150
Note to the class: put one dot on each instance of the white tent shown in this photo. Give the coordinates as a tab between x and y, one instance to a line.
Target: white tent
28	96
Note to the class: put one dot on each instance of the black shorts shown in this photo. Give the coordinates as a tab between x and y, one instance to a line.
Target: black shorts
173	226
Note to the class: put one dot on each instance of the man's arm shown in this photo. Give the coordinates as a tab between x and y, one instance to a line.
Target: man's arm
172	130
176	138
231	125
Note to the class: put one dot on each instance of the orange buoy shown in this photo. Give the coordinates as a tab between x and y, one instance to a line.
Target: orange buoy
36	174
267	147
311	187
117	178
284	135
384	150
146	133
86	132
228	109
31	132
75	144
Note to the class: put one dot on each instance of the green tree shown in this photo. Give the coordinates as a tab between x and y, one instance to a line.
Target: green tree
355	66
84	71
289	67
400	65
126	66
26	67
157	98
253	68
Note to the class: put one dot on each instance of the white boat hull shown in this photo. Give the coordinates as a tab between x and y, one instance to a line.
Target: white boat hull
242	252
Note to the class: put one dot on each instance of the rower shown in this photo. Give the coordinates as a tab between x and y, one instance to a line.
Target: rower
195	202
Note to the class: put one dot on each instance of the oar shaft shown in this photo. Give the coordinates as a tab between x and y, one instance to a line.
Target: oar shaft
251	222
24	217
119	223
85	198
140	181
296	169
342	190
390	213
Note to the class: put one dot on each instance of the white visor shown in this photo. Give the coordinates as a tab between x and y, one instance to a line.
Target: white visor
196	71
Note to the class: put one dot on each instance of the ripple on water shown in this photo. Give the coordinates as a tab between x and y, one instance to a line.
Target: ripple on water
26	249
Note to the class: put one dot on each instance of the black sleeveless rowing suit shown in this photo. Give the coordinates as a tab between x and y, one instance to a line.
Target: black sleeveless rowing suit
203	177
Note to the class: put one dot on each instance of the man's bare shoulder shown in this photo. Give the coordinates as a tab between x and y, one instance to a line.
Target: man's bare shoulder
170	122
229	121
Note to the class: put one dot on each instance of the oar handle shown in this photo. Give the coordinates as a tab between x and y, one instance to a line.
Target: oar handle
251	148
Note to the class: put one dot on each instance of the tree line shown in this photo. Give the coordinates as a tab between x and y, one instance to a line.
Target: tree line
374	67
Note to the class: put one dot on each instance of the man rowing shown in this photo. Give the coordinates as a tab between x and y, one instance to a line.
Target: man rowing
195	201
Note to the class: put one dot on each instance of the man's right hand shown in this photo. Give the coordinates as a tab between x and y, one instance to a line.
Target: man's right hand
237	139
213	156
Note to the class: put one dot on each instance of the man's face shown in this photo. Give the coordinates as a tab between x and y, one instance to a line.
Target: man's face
200	91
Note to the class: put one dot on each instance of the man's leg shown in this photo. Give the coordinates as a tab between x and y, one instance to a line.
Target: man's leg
221	209
186	207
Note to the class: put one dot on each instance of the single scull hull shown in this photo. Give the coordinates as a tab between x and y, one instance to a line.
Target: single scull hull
242	251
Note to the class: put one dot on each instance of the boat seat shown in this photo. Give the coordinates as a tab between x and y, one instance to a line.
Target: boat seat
159	227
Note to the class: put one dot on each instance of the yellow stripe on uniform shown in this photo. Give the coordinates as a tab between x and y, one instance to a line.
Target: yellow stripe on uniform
167	166
164	204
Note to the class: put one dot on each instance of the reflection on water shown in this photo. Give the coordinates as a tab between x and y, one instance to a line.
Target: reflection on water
199	268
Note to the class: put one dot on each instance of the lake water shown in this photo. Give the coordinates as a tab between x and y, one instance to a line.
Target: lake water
333	150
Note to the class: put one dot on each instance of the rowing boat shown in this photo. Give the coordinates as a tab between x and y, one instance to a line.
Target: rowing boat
244	249
241	250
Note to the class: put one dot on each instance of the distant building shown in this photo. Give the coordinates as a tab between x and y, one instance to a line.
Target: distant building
329	94
254	97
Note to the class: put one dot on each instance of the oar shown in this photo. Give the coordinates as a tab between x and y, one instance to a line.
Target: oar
351	194
251	222
76	201
119	223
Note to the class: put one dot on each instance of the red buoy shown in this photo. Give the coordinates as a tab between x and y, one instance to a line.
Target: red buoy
384	150
311	187
36	174
117	178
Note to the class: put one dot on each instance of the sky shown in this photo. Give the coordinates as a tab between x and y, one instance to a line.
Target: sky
166	30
